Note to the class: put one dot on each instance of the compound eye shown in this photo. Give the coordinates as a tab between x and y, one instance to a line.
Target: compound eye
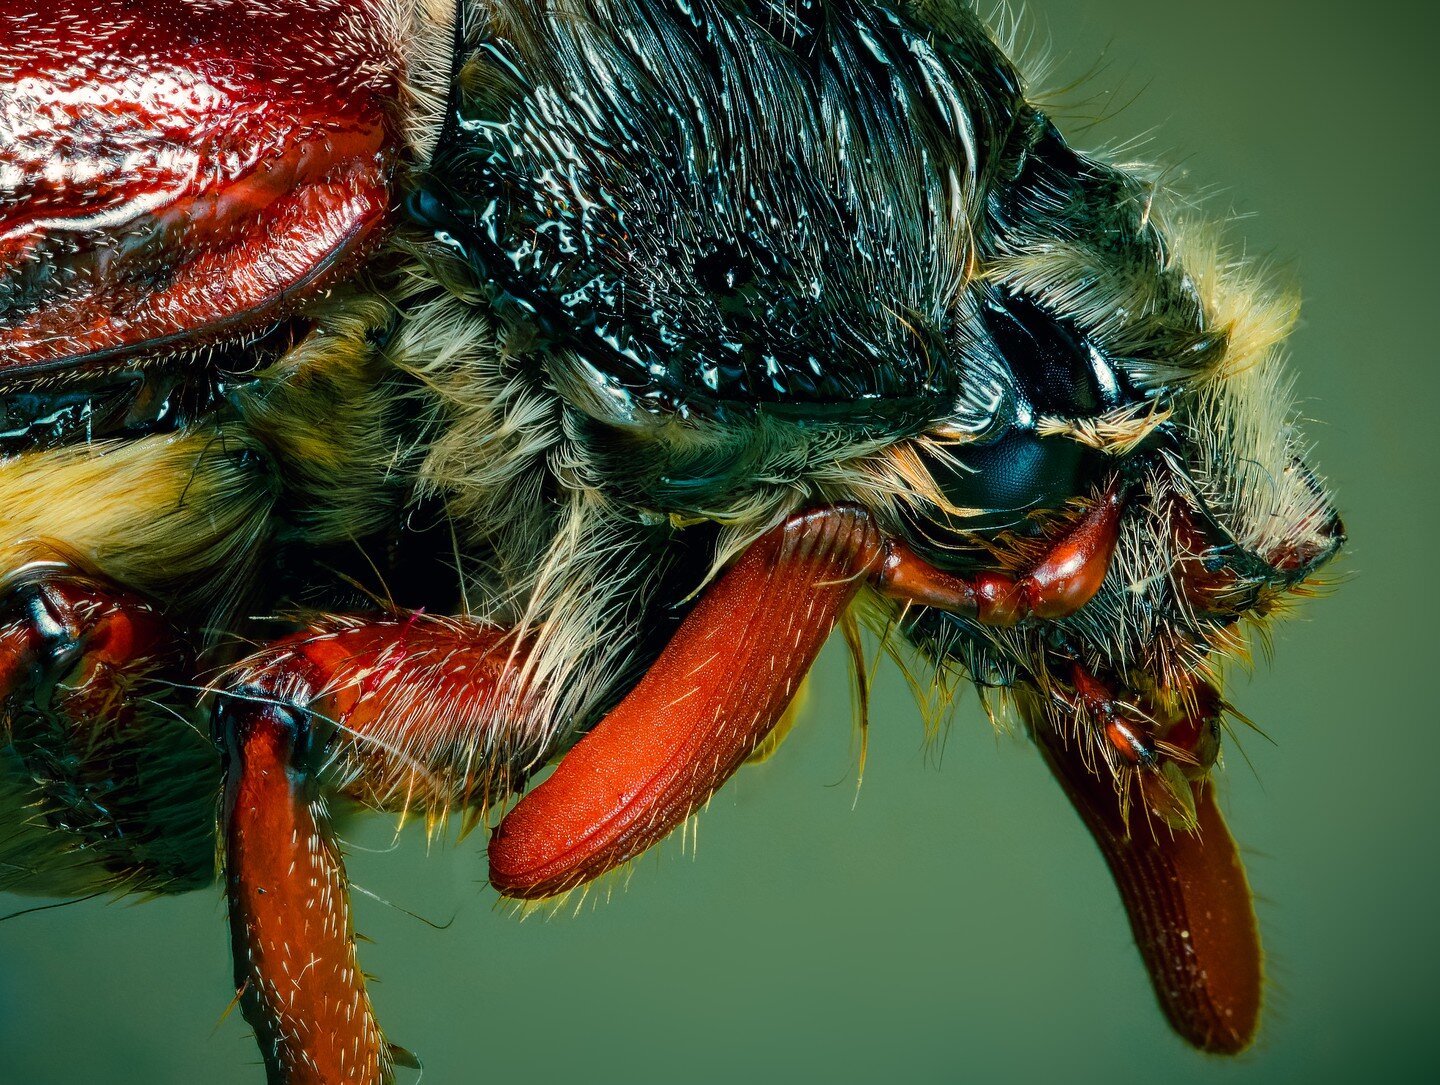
1010	476
1051	369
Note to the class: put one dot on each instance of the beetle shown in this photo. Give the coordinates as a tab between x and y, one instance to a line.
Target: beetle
652	342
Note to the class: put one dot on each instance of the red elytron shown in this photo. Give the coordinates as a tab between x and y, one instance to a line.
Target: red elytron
172	176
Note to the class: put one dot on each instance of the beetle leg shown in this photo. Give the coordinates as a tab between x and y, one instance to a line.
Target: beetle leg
726	676
1187	898
702	708
300	985
59	632
1058	585
386	708
85	673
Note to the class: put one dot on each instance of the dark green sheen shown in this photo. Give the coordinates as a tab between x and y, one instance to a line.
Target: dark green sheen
956	923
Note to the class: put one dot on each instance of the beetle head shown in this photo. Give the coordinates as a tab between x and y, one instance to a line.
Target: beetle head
1121	352
1106	338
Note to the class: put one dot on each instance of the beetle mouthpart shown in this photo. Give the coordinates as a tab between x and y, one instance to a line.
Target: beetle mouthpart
1162	740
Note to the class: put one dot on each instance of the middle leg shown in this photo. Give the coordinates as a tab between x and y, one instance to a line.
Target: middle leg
392	711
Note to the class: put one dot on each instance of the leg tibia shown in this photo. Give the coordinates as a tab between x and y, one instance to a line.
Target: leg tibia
1062	582
703	707
724	679
395	711
295	969
1187	899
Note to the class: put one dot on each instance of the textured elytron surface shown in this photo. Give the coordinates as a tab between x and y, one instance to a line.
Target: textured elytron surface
166	170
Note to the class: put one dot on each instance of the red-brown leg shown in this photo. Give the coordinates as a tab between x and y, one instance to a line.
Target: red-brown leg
386	709
1062	582
726	676
60	631
711	697
1186	895
1178	871
717	689
294	947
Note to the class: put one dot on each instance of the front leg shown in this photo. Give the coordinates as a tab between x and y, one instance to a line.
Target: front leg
1186	895
1057	586
409	710
726	677
711	698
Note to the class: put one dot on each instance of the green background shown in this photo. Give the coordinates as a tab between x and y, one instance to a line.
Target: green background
956	922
